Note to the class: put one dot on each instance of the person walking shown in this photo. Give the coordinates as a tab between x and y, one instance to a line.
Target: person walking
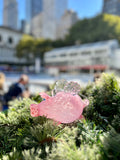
17	90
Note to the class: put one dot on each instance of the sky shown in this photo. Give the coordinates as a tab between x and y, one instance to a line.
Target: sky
84	8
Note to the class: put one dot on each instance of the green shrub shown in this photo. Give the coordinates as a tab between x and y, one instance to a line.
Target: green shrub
111	146
95	138
68	147
21	131
104	107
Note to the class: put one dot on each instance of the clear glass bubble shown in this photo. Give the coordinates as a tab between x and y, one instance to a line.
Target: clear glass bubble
59	86
64	86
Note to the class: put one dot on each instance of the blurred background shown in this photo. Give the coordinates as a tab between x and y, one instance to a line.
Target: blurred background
58	39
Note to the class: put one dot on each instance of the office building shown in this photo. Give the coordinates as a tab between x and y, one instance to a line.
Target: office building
10	14
54	8
37	26
33	7
111	7
44	24
52	12
67	21
22	27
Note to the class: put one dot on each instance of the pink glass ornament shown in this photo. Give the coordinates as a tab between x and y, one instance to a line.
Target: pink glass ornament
63	107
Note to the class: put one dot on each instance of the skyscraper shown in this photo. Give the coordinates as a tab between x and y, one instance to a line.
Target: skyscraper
54	8
33	7
67	20
52	12
10	14
46	14
111	7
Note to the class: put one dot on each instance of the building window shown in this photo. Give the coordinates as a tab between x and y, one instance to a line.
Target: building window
63	55
100	51
52	56
85	53
73	54
10	40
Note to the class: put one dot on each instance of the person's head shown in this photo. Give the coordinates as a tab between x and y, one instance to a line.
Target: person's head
24	79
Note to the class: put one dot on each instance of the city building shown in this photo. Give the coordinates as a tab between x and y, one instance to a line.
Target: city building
27	28
37	26
10	14
67	20
9	38
33	7
45	24
91	56
22	27
52	13
111	7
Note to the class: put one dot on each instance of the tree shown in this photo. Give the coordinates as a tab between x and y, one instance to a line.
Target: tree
101	27
30	48
41	46
60	43
24	49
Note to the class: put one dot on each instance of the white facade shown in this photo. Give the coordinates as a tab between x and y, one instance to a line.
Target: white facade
115	59
10	14
8	40
82	56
